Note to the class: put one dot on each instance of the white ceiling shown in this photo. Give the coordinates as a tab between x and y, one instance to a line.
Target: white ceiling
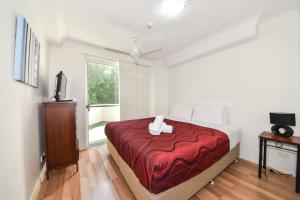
112	23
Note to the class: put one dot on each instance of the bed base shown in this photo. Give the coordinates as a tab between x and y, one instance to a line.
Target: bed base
182	191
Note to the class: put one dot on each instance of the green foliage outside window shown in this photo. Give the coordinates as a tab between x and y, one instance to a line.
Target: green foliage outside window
103	84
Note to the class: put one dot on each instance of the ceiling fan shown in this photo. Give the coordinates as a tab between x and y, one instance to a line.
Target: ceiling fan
136	53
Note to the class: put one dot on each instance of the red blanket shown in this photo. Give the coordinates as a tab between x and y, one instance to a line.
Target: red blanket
161	162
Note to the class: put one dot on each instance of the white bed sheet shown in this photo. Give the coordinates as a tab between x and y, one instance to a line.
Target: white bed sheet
232	132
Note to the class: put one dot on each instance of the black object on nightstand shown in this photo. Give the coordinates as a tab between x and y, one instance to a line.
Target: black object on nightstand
282	121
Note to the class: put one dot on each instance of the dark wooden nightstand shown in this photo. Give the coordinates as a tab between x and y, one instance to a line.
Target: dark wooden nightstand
293	140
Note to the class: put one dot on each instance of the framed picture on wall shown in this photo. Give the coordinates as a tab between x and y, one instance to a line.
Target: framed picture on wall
27	54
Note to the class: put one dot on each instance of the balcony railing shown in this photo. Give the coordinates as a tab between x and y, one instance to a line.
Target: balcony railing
98	116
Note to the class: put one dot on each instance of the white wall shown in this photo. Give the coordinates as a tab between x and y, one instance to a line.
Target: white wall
21	134
253	79
69	58
104	114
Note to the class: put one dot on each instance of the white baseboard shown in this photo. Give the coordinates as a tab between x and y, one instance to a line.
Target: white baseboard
43	173
38	184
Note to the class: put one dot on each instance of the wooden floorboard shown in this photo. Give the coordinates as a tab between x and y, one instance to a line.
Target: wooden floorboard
99	178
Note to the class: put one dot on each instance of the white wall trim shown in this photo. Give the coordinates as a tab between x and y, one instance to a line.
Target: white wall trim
38	184
271	21
43	173
234	35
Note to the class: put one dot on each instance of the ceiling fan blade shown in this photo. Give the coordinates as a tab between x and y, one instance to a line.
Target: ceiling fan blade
151	51
117	51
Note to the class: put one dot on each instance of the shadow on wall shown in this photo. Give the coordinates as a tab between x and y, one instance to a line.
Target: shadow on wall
41	133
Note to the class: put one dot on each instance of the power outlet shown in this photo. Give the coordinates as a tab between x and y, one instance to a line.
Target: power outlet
43	157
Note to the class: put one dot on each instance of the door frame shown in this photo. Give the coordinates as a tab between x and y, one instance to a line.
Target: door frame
88	59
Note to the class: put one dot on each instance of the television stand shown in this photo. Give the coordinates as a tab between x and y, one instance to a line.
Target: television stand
65	100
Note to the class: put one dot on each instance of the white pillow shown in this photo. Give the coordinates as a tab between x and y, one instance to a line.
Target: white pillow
180	111
216	114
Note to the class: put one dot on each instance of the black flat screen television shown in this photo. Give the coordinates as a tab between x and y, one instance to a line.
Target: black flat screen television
60	85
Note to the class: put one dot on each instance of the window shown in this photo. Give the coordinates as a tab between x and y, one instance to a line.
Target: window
103	83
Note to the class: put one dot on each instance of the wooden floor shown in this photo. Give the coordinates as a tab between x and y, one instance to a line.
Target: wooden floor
99	178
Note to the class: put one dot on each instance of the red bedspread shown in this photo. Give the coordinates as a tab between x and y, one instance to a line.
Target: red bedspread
161	162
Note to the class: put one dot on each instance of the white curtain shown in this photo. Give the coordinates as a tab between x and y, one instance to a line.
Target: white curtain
134	91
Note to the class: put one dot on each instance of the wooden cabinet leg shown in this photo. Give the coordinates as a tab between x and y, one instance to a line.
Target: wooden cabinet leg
265	154
260	156
298	170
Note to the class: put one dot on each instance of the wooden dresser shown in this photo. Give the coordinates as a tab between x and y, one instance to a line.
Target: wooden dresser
61	141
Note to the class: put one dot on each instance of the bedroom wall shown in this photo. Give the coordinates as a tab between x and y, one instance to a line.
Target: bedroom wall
21	134
69	58
253	79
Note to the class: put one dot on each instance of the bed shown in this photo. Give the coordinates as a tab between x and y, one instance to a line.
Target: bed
170	166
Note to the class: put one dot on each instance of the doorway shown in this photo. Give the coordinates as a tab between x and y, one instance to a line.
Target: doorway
103	98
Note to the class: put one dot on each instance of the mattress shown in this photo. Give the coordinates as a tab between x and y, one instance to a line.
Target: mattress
161	162
232	132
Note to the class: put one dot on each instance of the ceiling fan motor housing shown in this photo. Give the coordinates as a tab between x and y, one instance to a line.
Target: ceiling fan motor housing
135	52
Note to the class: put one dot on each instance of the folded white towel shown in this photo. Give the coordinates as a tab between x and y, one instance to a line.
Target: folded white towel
156	126
164	128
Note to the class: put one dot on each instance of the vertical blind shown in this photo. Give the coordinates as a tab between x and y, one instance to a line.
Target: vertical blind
134	91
